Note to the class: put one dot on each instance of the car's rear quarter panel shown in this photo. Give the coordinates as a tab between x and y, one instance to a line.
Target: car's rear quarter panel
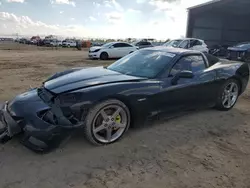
229	69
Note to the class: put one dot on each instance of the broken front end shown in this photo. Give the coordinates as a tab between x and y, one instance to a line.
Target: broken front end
41	118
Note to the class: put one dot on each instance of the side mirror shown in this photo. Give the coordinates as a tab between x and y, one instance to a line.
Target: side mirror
182	74
111	47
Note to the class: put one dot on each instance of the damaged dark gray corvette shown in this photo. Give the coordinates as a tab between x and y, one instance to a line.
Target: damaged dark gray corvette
104	101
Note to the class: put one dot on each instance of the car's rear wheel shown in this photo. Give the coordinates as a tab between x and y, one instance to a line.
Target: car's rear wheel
104	56
228	95
107	122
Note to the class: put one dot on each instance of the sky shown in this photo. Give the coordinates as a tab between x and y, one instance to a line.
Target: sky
159	19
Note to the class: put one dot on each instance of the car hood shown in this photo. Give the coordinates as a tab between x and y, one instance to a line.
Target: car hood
85	77
93	48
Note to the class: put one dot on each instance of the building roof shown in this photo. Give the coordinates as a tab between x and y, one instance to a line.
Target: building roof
204	4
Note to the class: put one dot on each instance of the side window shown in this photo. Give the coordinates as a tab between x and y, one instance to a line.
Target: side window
139	43
125	45
198	63
183	64
195	43
192	63
145	43
117	45
184	44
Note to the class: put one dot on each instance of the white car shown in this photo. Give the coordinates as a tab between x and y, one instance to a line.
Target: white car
69	43
111	50
188	43
55	42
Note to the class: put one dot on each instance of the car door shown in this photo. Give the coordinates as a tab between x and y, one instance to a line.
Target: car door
187	93
126	49
116	51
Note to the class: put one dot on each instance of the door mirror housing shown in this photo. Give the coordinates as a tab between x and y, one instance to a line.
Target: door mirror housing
182	74
111	47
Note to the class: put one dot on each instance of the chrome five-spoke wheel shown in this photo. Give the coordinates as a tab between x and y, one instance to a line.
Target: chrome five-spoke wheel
110	123
230	95
107	122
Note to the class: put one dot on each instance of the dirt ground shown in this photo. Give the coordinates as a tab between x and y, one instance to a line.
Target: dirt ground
201	149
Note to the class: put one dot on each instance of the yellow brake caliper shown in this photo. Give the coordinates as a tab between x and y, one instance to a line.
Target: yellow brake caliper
118	119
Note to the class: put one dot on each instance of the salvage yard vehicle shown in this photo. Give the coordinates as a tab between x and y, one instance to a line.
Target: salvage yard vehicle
104	102
239	52
111	50
142	44
188	43
68	43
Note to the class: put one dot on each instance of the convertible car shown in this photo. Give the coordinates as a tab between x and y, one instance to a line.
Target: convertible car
104	102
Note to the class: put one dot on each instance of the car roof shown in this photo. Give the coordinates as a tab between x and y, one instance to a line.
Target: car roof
177	51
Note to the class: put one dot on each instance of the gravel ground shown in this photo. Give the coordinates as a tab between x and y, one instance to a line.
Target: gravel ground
200	149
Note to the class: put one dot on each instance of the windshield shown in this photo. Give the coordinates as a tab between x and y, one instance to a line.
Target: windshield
243	45
107	44
142	63
173	43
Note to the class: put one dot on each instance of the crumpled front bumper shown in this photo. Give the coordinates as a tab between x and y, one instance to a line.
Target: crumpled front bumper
39	140
8	126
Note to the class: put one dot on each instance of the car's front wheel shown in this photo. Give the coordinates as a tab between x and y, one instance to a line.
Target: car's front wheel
228	95
107	122
104	56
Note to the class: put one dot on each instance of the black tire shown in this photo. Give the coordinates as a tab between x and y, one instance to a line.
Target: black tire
104	56
219	104
88	128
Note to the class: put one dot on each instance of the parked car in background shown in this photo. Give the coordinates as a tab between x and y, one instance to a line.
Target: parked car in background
142	44
218	50
188	43
96	44
24	41
40	42
47	42
239	52
69	43
111	50
55	42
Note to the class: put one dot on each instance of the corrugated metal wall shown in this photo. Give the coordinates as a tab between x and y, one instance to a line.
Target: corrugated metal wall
219	27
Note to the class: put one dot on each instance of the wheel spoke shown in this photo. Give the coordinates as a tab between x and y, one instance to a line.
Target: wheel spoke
231	87
109	134
116	113
229	102
104	115
225	100
120	125
99	128
234	93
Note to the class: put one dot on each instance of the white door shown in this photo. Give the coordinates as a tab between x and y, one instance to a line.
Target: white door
126	49
117	51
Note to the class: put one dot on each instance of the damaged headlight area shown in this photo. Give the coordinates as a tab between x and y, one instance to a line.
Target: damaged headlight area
60	111
48	117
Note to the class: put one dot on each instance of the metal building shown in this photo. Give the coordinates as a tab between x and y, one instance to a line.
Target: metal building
224	22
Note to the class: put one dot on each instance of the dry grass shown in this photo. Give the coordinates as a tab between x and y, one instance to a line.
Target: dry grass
26	65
